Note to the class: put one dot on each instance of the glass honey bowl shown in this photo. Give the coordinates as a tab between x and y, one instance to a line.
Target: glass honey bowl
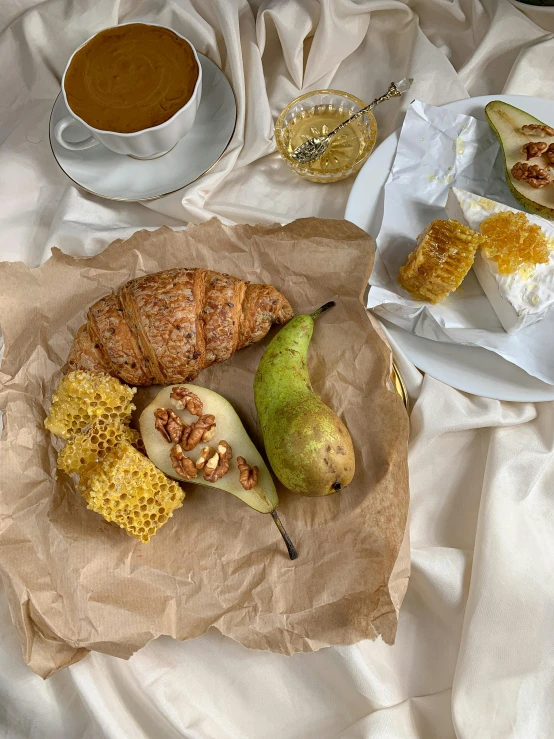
315	114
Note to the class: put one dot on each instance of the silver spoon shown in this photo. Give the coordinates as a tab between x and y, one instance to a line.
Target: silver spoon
314	148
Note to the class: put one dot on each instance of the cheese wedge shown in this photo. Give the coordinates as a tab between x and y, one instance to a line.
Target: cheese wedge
519	299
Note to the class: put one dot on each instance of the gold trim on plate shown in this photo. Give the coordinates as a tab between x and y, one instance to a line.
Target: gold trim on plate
152	197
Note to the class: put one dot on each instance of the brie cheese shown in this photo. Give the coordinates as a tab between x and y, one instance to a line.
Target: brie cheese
518	299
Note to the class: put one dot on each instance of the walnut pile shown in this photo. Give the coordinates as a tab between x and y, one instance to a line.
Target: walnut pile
201	430
218	465
534	149
248	475
183	465
535	129
183	398
169	425
535	175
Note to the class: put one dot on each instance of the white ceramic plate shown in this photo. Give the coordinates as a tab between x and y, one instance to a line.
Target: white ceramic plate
116	177
471	369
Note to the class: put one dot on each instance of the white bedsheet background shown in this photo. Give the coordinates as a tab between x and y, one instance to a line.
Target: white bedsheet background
474	656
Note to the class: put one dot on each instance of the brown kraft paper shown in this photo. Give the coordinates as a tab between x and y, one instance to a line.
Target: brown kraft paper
77	583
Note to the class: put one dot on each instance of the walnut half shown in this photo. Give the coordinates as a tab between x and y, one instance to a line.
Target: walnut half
183	465
217	466
536	129
248	475
183	398
201	430
534	149
533	174
169	425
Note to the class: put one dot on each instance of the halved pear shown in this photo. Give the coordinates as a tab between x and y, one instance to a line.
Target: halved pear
263	497
506	121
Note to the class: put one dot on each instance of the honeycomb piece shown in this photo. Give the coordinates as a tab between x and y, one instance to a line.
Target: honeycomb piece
513	242
125	487
443	256
87	447
82	397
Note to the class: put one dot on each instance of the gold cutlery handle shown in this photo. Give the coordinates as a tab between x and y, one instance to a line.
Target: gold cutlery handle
395	90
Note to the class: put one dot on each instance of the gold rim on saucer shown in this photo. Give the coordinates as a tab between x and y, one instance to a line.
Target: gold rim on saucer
164	194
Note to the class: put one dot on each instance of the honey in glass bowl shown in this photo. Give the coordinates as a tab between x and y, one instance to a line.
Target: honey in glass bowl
316	114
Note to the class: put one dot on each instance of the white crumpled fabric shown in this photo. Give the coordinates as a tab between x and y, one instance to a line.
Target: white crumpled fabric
473	657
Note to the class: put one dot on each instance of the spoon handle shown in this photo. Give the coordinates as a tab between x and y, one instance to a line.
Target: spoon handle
395	90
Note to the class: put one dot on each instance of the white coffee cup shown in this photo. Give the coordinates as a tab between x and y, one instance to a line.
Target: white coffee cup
148	143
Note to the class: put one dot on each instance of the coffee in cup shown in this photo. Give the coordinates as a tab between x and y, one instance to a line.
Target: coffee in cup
135	88
131	77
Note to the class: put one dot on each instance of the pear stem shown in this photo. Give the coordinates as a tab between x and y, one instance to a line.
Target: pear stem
293	554
323	308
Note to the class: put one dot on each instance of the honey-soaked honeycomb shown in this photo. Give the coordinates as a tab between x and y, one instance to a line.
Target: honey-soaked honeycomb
88	446
82	397
125	487
443	256
512	242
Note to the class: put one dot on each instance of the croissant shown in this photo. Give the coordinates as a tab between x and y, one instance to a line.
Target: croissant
168	326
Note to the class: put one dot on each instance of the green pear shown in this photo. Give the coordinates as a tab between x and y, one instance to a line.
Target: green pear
507	121
308	446
262	497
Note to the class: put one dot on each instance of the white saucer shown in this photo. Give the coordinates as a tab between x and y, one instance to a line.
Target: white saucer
117	177
469	368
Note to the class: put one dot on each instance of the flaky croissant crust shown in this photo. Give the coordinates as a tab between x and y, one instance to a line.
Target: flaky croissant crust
168	326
